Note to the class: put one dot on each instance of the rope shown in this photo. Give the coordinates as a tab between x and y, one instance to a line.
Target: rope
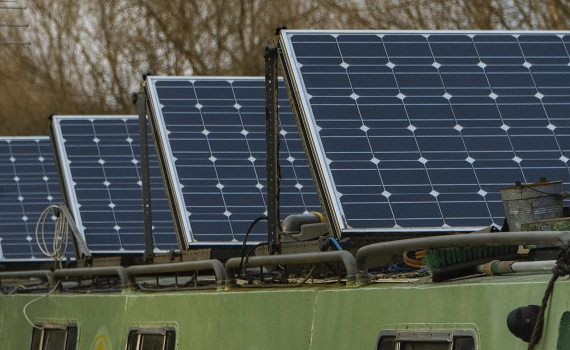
60	236
561	269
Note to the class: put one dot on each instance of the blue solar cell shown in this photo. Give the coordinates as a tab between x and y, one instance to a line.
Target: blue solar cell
215	146
434	125
28	185
100	157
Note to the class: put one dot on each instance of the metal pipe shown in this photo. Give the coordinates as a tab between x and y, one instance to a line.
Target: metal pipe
212	264
460	240
95	271
292	259
46	275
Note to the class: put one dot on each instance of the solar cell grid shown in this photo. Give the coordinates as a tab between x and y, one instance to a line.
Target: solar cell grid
101	168
28	185
432	123
213	134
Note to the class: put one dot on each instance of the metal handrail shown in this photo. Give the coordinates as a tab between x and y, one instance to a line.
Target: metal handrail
46	275
95	271
293	259
460	240
212	264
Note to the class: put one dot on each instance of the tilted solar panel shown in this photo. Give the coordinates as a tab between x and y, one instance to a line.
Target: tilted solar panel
419	130
212	132
28	185
100	160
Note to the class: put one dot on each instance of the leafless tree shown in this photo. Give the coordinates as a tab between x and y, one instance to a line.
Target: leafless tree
85	57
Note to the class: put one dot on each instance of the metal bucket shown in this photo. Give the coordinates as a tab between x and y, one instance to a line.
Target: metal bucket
532	202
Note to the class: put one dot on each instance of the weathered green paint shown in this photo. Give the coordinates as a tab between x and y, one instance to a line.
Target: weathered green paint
303	318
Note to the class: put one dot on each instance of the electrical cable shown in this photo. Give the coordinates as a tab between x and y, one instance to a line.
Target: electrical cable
305	279
297	284
244	267
335	242
290	236
245	239
401	267
16	289
60	235
411	259
34	300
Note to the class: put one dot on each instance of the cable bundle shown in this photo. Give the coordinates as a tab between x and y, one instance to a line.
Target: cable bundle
60	237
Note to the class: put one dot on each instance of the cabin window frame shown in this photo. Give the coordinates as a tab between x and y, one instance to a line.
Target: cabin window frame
43	330
136	337
425	337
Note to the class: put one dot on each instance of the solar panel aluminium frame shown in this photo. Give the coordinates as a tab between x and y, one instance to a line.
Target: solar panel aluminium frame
309	136
166	165
34	258
306	137
170	175
314	149
64	172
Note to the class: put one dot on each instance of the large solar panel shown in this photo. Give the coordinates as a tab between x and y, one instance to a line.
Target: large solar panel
28	185
419	130
212	136
100	160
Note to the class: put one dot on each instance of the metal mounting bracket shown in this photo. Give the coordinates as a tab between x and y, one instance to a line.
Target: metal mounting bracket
141	101
272	147
81	250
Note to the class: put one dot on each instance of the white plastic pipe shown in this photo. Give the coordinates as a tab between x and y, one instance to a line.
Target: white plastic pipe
533	266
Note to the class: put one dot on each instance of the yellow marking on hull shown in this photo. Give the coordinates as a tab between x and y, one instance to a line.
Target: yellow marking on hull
101	343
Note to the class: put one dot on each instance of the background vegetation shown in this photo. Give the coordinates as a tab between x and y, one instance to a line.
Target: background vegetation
86	57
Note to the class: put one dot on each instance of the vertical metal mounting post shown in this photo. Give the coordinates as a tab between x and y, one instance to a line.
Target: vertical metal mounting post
272	147
145	174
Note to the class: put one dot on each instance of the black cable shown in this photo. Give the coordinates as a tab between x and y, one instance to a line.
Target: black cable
248	255
245	239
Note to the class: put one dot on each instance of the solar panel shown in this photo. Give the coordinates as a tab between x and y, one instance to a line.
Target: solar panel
99	156
419	130
28	185
212	136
